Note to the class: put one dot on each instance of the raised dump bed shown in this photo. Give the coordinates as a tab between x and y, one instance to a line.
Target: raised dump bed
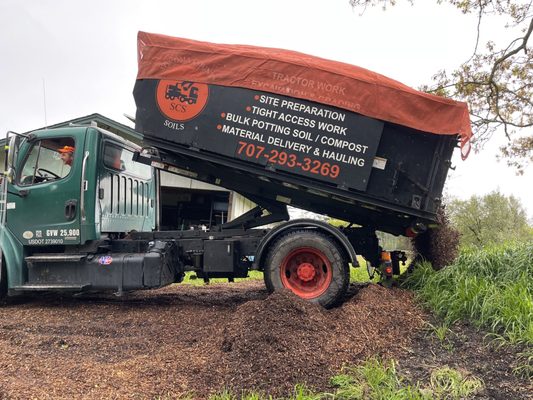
284	127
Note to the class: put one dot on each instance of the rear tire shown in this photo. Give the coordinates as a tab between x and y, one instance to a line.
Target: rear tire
311	265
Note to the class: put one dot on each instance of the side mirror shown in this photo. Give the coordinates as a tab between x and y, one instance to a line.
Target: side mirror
14	143
11	157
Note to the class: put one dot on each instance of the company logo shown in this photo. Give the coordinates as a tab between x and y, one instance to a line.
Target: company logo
27	235
181	100
105	260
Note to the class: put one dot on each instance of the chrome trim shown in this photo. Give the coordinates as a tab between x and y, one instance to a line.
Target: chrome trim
84	187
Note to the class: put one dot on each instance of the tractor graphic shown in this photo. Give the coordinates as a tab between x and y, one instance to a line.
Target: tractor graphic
183	91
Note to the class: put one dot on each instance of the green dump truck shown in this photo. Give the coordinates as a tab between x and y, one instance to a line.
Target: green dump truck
80	206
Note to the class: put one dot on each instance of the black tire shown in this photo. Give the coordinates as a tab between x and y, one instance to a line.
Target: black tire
3	279
310	264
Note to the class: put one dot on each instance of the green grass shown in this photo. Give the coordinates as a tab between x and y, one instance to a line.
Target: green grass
447	383
374	380
191	279
360	274
227	395
377	380
524	367
441	332
491	287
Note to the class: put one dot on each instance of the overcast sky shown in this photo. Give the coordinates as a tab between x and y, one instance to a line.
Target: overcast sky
82	55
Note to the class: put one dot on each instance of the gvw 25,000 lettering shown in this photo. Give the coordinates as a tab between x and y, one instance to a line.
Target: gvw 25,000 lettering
69	232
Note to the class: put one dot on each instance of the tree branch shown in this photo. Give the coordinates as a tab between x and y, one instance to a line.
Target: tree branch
525	39
497	83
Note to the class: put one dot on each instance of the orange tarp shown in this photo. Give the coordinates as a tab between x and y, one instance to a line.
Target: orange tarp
302	76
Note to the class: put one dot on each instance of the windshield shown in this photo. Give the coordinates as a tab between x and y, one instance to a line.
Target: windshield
48	159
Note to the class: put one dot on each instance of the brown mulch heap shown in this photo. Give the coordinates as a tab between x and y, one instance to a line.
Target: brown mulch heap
273	344
195	341
184	339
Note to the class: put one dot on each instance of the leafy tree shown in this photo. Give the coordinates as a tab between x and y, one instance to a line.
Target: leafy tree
489	219
496	82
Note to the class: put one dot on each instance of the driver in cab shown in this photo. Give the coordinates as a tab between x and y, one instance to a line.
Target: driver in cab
66	153
47	163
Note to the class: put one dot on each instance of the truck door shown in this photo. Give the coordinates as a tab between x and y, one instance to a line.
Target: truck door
44	199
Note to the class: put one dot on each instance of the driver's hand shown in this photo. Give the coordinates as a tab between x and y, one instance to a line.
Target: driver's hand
26	180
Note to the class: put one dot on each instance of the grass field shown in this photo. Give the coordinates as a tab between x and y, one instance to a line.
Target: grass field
191	279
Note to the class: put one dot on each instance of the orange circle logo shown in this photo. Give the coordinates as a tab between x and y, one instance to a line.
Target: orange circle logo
181	100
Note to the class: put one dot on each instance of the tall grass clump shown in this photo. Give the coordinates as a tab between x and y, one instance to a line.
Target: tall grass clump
376	380
491	287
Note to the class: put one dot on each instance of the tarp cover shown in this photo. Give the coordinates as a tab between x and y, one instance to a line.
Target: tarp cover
302	76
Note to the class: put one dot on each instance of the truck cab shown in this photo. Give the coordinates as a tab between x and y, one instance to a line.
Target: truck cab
70	191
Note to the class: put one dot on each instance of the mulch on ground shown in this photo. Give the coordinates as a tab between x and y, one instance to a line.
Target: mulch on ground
473	353
272	344
185	340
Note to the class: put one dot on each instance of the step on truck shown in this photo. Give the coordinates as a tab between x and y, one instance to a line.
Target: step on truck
80	206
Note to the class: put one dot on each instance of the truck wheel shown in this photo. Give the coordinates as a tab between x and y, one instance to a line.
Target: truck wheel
310	264
3	279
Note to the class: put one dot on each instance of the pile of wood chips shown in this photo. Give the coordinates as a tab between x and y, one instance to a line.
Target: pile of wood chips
185	340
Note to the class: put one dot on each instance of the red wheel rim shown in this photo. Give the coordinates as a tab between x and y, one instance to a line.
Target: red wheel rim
306	272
